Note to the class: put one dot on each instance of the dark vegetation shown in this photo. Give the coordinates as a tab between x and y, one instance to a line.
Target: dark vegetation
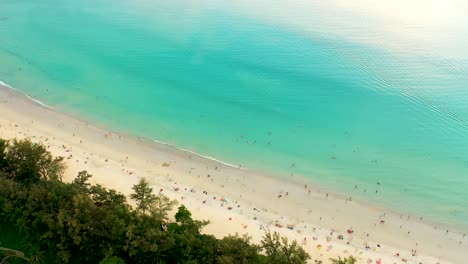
45	220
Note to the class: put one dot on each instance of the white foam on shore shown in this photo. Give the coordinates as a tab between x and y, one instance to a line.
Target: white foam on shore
6	85
29	97
157	141
200	155
39	102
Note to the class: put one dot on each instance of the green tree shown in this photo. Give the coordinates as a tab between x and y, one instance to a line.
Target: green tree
339	260
79	222
278	250
161	206
29	162
185	222
82	180
183	215
146	241
3	147
143	195
190	244
238	250
104	197
37	256
112	260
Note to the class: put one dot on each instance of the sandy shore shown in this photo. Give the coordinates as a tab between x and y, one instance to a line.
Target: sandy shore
234	200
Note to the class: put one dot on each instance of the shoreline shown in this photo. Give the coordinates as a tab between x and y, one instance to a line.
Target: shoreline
196	153
297	179
42	104
313	214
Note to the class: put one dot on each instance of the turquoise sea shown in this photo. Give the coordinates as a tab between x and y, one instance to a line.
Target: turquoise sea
342	96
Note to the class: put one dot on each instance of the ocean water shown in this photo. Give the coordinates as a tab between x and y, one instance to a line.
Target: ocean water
331	91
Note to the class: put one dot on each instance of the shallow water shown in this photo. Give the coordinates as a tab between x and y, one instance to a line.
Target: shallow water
316	94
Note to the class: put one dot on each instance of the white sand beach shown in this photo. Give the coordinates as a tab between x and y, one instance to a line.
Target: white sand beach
234	200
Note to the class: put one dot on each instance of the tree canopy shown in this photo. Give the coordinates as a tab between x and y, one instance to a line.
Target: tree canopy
27	162
80	222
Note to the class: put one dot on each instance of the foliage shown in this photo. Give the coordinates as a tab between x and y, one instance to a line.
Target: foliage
80	222
143	195
238	250
161	206
82	181
3	147
278	249
27	162
112	260
348	260
190	244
